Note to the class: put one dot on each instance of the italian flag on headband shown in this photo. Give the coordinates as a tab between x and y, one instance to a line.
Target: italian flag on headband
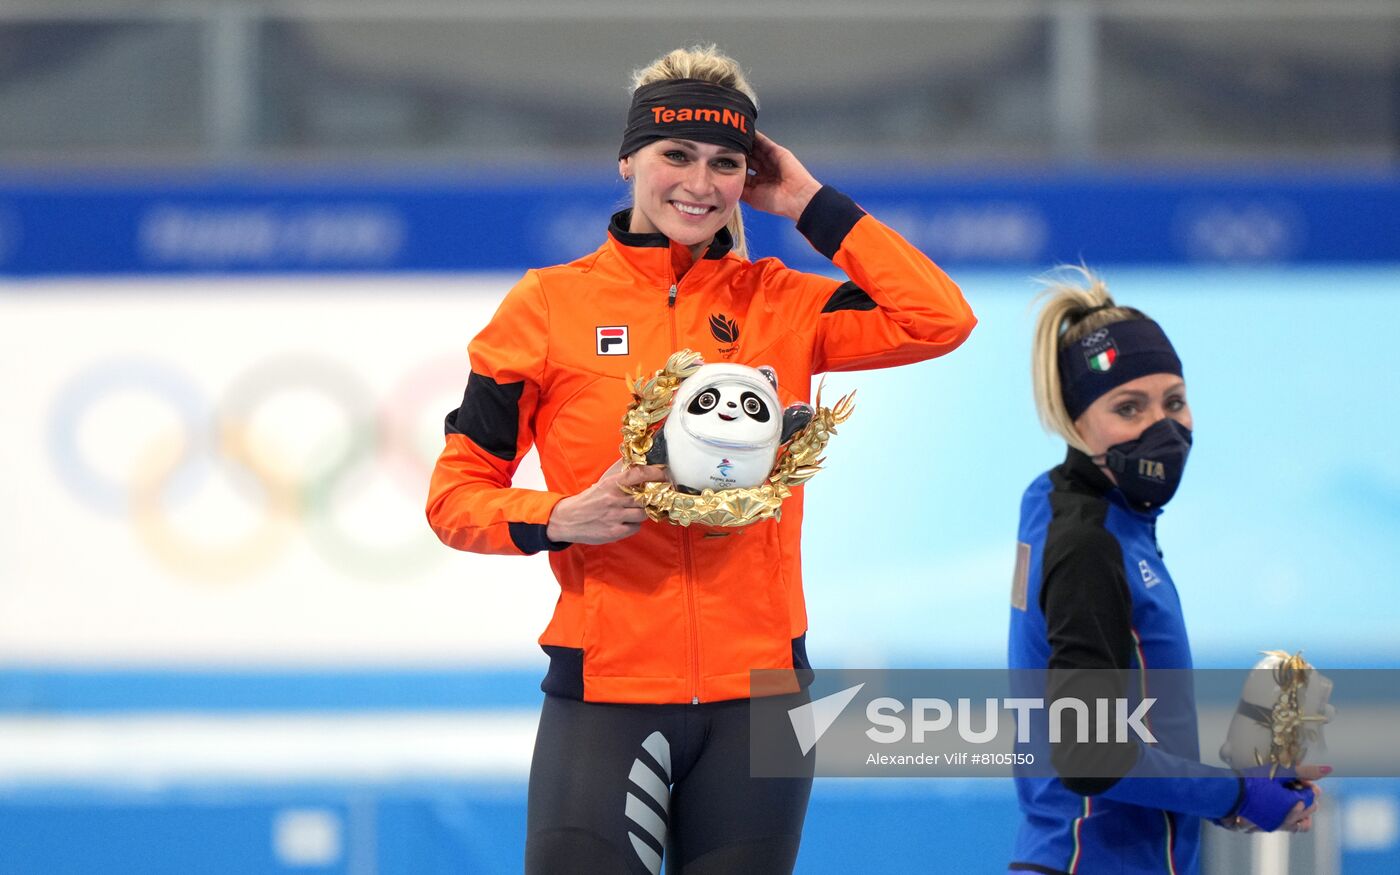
1102	361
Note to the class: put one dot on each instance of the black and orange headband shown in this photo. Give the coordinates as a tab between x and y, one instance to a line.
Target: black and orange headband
689	109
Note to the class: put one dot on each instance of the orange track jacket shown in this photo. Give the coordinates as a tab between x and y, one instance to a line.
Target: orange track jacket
670	614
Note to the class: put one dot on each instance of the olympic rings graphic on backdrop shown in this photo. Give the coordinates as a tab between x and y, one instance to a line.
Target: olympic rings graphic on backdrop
172	468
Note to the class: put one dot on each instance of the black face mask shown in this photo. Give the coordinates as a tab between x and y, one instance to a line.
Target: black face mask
1149	468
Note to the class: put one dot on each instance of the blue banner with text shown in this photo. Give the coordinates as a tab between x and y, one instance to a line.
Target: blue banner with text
230	223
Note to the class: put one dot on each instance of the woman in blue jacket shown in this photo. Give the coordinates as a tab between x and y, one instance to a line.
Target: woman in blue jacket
1093	600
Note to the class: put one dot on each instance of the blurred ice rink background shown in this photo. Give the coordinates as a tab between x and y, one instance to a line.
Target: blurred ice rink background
243	246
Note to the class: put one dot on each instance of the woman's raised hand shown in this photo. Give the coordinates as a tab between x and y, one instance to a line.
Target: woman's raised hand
779	183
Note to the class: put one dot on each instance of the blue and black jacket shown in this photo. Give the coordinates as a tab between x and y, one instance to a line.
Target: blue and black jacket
1091	592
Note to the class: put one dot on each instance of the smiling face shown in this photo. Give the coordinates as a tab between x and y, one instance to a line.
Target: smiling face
684	189
1126	412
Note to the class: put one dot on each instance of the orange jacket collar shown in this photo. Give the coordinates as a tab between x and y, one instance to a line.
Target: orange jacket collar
650	254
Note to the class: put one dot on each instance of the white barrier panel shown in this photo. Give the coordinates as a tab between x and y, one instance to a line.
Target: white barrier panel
234	471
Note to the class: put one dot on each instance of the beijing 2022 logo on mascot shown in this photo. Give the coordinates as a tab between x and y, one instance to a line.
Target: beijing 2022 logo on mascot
732	455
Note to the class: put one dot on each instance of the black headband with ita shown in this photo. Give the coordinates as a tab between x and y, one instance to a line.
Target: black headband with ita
689	109
1110	356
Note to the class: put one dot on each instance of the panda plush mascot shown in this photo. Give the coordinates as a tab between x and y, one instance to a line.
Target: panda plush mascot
724	428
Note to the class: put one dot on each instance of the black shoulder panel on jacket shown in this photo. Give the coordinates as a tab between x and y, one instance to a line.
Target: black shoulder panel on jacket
1084	590
489	415
1088	620
848	296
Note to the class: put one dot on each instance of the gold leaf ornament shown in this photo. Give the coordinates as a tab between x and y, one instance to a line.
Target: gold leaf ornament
796	463
1290	729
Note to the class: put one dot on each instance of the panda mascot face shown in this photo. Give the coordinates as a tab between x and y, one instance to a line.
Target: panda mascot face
724	428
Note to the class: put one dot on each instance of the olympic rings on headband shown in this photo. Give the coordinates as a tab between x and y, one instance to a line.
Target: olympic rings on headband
166	471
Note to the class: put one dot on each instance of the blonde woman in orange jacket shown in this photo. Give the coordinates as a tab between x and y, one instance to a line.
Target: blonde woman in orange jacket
643	742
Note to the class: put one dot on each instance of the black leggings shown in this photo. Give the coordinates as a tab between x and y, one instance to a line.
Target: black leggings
614	787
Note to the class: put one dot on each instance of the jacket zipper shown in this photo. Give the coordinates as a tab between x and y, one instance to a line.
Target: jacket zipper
687	580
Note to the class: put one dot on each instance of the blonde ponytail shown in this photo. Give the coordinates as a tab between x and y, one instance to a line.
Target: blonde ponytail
1074	306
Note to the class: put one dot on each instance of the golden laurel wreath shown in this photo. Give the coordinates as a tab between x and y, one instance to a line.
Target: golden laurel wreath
1288	728
797	461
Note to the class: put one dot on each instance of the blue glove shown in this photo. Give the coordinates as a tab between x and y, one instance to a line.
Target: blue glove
1266	801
